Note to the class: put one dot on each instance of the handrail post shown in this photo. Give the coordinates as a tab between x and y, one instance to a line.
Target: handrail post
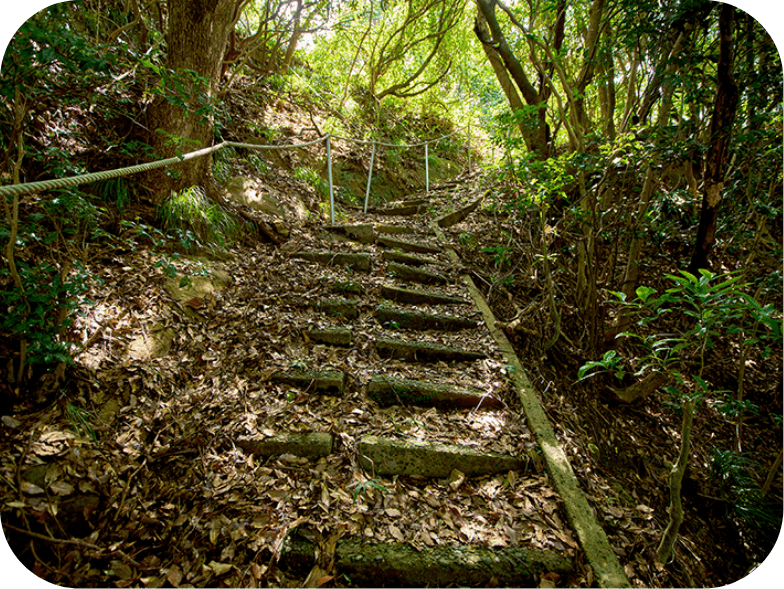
427	172
329	175
370	175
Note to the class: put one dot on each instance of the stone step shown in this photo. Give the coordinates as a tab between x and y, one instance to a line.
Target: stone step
347	287
329	382
310	445
388	457
386	391
402	210
362	232
339	307
455	217
408	246
356	261
334	336
411	260
405	272
399	564
419	297
423	351
407	319
393	229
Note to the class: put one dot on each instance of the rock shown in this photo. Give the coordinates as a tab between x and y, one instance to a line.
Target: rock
335	336
386	391
242	191
330	382
310	445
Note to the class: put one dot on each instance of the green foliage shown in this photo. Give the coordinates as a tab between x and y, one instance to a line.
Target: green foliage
192	212
80	421
366	488
116	191
312	178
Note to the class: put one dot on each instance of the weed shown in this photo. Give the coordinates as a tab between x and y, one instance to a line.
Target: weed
366	488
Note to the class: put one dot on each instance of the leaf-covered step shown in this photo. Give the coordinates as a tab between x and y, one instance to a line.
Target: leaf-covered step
408	246
363	232
394	229
388	457
334	336
419	297
407	273
356	261
399	564
329	382
411	260
423	351
400	210
339	307
455	217
407	319
386	391
310	445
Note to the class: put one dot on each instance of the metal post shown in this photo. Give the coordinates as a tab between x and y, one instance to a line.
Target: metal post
469	146
427	172
370	175
329	174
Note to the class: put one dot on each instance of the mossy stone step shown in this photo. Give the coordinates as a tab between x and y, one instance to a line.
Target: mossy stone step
362	232
398	564
424	351
334	336
393	229
419	297
329	382
388	457
406	319
347	287
386	391
356	261
310	445
455	217
411	260
401	210
407	273
408	246
339	307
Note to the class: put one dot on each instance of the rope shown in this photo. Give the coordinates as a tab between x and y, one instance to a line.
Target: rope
46	185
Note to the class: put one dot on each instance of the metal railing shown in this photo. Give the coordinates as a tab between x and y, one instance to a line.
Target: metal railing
45	185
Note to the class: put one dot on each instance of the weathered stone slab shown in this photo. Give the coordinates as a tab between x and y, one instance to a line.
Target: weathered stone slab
347	287
403	210
399	564
336	307
406	319
356	261
388	457
386	391
393	256
363	233
404	272
423	351
394	229
408	246
334	336
419	297
329	382
310	445
455	217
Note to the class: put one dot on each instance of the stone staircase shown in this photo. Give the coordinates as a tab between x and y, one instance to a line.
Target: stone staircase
434	346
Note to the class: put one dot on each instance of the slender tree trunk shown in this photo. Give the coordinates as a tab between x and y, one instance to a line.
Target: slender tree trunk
198	32
720	135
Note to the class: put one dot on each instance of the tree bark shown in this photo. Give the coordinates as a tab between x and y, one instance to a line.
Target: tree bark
198	32
718	148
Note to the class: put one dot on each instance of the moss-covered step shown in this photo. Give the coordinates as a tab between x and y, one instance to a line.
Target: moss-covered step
407	319
356	261
338	307
329	382
399	564
399	210
409	274
347	287
363	232
408	246
411	260
423	351
386	391
310	445
455	217
419	297
334	336
393	229
388	457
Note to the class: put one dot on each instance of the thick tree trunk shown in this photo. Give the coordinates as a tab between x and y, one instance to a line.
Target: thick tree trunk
198	32
720	135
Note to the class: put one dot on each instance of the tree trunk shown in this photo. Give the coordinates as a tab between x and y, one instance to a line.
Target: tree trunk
720	135
198	32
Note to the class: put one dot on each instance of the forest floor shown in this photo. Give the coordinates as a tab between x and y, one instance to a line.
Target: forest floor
149	488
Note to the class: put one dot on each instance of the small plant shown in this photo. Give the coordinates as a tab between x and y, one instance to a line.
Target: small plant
80	420
190	209
468	239
366	488
312	178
